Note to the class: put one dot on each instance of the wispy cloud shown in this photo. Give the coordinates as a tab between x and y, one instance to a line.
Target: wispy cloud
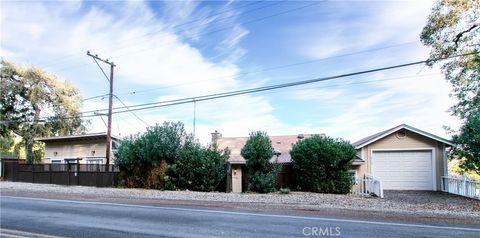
166	49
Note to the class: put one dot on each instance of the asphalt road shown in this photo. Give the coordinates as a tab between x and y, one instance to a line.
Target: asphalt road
38	217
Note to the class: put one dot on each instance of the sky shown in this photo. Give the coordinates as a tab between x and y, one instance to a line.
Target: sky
166	50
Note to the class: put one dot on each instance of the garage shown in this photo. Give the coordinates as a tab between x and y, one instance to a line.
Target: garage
404	170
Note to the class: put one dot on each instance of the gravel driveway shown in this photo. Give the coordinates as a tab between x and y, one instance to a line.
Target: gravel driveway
422	203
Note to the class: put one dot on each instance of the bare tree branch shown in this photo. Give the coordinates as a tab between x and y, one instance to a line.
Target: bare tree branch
460	35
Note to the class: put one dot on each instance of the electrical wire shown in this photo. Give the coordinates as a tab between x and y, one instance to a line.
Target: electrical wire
148	106
204	19
273	68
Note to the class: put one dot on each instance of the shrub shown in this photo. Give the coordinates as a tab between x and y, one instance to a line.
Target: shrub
166	157
257	152
199	168
321	164
142	158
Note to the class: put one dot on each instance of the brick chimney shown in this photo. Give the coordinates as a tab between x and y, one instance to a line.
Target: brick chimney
215	136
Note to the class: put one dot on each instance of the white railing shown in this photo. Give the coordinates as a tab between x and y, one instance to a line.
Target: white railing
461	185
367	186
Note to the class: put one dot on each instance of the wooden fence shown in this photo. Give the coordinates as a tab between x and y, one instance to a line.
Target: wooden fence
366	186
97	175
461	185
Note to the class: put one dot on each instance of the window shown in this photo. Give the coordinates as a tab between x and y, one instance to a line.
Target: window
94	164
56	165
71	164
354	176
401	134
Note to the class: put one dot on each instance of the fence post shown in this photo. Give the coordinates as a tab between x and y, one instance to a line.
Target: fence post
50	172
32	169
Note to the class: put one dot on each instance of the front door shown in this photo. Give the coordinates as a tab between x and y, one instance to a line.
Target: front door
236	178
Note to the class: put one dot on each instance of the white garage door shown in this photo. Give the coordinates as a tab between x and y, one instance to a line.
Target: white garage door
403	170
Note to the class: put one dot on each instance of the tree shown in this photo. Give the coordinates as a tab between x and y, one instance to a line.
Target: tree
468	144
199	168
167	157
258	151
322	164
35	104
453	28
143	158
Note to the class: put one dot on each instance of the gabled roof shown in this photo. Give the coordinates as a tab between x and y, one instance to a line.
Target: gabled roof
84	137
375	137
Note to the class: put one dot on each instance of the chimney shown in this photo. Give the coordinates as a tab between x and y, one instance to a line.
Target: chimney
215	136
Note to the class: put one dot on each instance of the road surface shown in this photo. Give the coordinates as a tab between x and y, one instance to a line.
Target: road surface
39	217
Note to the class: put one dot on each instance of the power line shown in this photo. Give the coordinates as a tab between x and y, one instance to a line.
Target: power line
99	96
243	23
100	67
204	19
120	100
147	106
133	113
274	67
213	31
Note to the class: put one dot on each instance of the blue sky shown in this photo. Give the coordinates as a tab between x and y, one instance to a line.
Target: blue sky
175	49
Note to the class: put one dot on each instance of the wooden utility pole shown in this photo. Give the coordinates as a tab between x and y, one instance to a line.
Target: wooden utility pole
110	106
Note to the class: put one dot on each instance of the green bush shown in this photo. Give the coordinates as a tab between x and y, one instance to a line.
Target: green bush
199	168
322	164
142	158
257	152
166	157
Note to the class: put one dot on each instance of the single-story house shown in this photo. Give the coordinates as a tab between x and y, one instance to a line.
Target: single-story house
403	158
81	149
236	179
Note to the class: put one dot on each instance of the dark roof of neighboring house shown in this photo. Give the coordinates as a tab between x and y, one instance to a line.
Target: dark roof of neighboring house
282	144
375	137
85	137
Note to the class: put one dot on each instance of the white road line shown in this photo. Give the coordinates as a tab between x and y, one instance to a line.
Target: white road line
249	214
22	234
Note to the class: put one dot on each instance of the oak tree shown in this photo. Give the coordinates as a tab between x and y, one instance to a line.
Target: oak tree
34	103
453	30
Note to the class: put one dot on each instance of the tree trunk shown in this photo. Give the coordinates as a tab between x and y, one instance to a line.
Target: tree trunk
29	139
29	150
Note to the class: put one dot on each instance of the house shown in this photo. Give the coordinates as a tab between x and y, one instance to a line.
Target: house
81	149
237	175
404	158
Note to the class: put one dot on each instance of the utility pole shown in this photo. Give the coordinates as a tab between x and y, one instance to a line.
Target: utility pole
194	116
110	105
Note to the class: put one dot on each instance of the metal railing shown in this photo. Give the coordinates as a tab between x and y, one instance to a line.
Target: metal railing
367	186
461	185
